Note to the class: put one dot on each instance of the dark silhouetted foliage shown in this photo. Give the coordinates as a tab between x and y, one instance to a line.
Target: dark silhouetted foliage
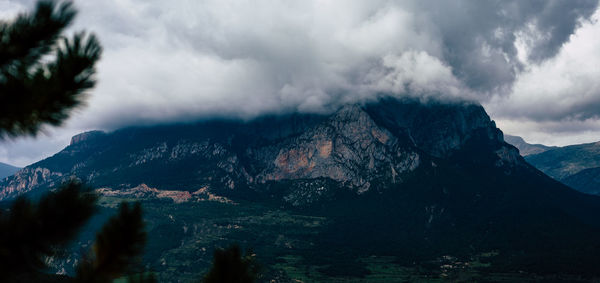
117	248
31	232
146	277
35	91
43	76
231	266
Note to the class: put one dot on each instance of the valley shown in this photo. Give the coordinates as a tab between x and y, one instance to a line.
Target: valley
183	235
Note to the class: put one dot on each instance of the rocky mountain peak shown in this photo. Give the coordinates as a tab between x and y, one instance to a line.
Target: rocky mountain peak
438	128
360	147
86	136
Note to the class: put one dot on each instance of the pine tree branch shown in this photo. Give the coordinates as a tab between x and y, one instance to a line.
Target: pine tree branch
32	93
118	246
31	232
31	36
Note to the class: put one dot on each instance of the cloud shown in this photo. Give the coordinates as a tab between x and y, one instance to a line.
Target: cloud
167	61
184	60
563	87
559	133
415	74
478	36
23	151
560	96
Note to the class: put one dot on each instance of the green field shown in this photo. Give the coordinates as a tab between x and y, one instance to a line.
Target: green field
182	237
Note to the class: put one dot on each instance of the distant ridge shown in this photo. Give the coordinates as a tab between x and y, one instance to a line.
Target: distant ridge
574	165
7	170
526	148
577	166
586	181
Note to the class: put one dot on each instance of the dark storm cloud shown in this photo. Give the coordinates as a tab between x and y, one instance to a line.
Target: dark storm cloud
479	36
556	22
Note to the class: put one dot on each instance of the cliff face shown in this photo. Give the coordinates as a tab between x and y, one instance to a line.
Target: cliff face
28	179
359	147
347	147
87	136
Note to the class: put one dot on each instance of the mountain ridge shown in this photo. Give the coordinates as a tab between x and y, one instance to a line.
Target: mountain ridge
7	170
396	176
573	165
586	180
360	133
567	160
526	148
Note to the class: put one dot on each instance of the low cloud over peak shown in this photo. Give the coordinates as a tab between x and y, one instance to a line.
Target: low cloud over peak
187	59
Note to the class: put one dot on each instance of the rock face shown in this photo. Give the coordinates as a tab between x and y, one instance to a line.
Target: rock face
359	147
143	191
27	179
347	147
87	136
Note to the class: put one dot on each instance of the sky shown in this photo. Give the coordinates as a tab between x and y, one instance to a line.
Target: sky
534	65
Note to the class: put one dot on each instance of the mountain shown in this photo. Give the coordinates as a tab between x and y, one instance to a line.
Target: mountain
394	182
586	181
574	165
526	148
562	162
7	170
360	148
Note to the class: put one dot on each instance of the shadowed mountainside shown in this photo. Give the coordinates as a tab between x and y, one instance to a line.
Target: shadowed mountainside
396	177
574	165
568	160
586	181
360	147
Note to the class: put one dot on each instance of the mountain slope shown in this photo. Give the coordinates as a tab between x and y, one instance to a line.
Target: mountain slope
7	170
393	177
357	146
575	165
525	148
586	181
562	162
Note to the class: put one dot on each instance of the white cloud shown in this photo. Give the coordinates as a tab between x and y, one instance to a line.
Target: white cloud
559	97
416	74
246	58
